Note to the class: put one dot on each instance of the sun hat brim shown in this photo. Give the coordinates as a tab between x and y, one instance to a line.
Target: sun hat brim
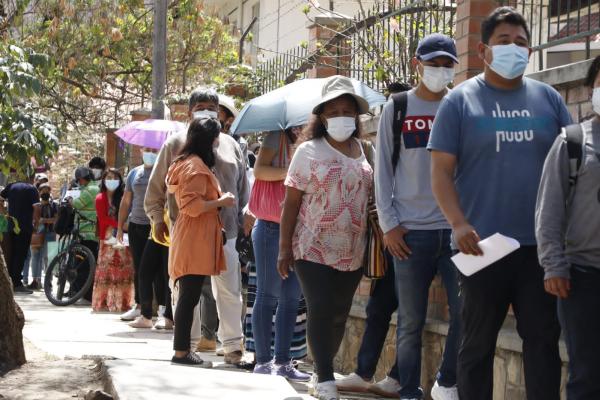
363	105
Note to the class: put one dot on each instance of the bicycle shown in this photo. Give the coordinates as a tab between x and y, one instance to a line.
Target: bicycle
67	266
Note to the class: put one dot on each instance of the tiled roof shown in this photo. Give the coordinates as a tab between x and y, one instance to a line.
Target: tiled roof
573	27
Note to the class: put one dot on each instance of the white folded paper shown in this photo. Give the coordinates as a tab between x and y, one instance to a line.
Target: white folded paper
494	248
74	193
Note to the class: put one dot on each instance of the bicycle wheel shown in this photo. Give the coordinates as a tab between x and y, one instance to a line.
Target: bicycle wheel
64	282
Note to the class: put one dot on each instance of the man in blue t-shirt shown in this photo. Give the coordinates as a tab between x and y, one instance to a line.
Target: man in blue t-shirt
488	142
23	200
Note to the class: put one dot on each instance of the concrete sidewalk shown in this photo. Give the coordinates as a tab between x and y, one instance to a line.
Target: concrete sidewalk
141	368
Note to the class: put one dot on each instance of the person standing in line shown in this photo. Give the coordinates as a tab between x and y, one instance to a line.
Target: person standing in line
382	304
197	239
114	278
274	295
567	226
489	141
147	273
324	222
230	169
415	230
98	167
39	255
23	199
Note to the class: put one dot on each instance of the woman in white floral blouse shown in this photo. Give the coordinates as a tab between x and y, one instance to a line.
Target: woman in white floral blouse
324	222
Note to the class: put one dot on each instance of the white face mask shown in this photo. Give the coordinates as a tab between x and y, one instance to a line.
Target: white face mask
341	128
437	78
112	184
205	114
509	60
596	100
97	173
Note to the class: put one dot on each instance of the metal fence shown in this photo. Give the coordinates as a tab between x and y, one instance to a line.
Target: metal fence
554	23
376	46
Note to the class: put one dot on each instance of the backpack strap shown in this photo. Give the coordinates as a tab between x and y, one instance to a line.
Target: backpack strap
575	142
400	105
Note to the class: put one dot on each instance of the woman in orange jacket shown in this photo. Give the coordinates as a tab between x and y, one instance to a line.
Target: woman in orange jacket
196	238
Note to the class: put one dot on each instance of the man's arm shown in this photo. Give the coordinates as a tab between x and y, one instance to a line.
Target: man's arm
443	167
243	186
551	218
156	192
123	213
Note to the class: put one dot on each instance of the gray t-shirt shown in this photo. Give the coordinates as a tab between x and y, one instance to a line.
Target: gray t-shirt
406	198
137	182
500	139
273	141
568	231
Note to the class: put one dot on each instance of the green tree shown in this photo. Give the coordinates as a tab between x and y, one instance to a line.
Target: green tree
24	133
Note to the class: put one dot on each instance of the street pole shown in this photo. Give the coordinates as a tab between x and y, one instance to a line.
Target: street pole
159	58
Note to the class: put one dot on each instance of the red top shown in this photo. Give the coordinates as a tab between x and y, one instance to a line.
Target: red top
105	221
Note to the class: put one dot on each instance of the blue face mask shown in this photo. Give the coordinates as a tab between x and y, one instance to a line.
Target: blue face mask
112	184
149	158
509	60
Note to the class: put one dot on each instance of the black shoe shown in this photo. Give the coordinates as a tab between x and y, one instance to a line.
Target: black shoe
23	290
191	359
35	285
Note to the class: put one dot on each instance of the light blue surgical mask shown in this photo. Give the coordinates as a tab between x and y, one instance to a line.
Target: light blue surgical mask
112	184
205	114
509	60
149	158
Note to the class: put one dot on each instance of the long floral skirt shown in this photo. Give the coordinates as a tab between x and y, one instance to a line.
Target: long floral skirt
113	282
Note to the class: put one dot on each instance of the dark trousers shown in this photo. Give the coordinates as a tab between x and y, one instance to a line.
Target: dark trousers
154	272
138	236
381	306
580	319
328	293
516	279
190	287
19	249
208	311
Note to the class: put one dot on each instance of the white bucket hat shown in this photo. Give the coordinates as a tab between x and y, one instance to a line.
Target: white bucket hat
337	86
228	103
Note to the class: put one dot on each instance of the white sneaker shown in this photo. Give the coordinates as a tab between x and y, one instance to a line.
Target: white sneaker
141	322
131	314
353	383
163	324
444	393
324	390
387	387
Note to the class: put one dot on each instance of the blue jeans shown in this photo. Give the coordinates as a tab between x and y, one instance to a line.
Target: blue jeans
430	254
273	295
579	316
39	257
382	304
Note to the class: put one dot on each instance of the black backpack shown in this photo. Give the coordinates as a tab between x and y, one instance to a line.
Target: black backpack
400	105
65	219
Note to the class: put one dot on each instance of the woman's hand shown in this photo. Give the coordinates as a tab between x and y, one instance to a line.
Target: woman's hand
285	261
120	235
227	200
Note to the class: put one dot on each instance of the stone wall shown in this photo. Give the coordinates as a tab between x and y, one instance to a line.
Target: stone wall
509	381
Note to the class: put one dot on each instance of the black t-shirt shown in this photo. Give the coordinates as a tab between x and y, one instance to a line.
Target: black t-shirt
21	197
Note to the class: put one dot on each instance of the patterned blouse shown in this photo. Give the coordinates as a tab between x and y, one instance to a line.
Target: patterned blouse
332	223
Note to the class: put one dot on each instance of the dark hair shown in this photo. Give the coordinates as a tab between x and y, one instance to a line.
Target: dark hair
502	15
592	73
227	111
398	87
97	162
199	142
200	95
118	194
315	128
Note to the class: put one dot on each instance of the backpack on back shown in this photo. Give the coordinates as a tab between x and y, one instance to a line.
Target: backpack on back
65	219
400	106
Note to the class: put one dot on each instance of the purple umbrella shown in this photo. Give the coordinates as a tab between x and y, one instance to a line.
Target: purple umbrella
149	133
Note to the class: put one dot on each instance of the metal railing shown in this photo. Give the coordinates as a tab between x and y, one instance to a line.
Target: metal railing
376	46
558	22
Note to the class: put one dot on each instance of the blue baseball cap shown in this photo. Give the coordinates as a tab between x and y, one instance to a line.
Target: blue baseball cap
436	45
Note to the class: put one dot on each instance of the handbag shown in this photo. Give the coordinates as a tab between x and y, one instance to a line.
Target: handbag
376	263
266	197
37	239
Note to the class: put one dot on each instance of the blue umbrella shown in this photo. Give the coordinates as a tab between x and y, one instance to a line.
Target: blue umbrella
291	105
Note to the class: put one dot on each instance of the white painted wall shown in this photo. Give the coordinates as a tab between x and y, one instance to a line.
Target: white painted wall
282	25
